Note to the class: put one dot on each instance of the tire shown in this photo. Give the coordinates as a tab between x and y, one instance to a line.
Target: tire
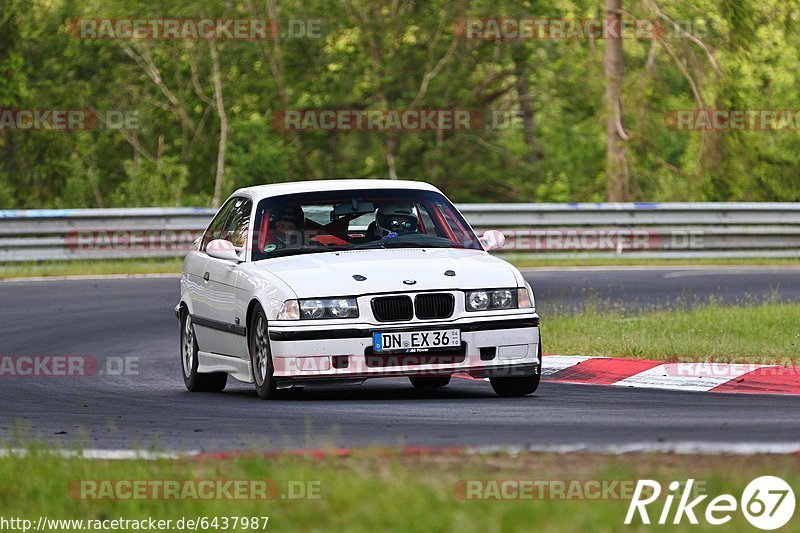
194	380
436	382
518	386
261	356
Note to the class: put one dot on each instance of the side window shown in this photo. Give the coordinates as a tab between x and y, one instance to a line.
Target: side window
238	222
231	223
216	228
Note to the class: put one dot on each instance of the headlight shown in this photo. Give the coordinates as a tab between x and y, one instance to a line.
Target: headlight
478	300
316	308
502	299
312	308
343	308
492	300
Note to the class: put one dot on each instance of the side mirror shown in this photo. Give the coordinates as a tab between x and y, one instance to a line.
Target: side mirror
493	240
222	249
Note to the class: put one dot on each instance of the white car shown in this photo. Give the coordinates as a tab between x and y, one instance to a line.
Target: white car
339	281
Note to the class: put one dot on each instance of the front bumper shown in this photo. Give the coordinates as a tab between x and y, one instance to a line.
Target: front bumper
493	347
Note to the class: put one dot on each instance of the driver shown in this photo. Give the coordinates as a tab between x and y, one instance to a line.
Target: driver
395	219
285	224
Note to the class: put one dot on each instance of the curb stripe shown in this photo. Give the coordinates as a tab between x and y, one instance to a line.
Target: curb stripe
603	371
747	378
551	364
677	447
686	376
325	453
98	454
765	380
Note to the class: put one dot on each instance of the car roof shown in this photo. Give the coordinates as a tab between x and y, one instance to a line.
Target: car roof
278	189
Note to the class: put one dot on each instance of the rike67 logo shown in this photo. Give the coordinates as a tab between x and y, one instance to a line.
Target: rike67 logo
767	502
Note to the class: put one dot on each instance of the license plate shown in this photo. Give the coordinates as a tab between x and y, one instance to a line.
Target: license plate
416	340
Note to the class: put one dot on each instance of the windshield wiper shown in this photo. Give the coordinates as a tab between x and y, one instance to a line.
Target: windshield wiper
303	251
405	244
392	243
374	245
401	243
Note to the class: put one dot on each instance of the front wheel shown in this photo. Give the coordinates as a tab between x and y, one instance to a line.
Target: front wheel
261	356
518	386
194	380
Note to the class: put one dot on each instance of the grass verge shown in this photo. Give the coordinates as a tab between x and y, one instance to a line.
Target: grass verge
379	491
546	262
87	268
767	332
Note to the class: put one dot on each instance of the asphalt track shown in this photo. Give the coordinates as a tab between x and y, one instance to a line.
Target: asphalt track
113	319
649	288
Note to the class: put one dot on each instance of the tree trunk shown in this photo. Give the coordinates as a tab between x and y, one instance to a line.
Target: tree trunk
616	165
389	153
223	125
522	85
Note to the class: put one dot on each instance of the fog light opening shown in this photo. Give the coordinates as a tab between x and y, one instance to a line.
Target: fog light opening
340	361
488	353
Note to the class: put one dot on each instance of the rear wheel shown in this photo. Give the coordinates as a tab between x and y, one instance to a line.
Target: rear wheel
261	356
195	381
518	386
420	382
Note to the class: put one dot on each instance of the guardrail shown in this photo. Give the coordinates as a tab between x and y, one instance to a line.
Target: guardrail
630	229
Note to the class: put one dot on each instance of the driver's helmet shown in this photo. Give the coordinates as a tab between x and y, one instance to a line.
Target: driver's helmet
280	219
396	218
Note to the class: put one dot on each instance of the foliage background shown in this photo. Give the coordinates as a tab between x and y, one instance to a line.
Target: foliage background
375	55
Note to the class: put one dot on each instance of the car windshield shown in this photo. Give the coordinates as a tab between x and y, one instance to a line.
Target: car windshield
357	219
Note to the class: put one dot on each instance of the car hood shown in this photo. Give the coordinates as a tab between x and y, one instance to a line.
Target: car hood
331	273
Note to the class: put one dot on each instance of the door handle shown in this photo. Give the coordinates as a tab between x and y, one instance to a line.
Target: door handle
206	276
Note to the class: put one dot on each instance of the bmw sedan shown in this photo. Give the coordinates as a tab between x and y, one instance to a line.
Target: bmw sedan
340	281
